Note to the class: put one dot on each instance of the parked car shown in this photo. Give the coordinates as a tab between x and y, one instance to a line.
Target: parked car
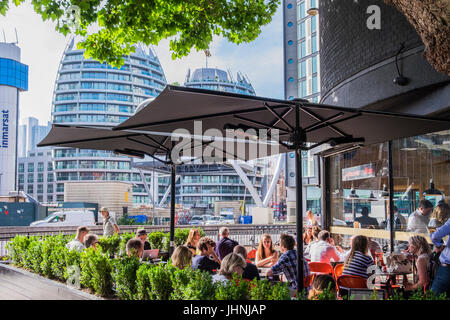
227	218
196	220
67	218
213	220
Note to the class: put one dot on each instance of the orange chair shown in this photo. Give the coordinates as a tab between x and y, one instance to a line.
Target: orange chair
251	254
350	281
338	270
320	267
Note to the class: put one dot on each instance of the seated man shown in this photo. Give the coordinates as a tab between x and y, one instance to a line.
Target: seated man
250	271
324	251
135	247
365	220
78	242
225	245
207	260
419	219
91	240
287	264
142	235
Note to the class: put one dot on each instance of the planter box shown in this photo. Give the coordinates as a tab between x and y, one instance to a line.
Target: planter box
18	284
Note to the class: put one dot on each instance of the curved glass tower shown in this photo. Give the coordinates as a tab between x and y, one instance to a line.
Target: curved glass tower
91	93
216	79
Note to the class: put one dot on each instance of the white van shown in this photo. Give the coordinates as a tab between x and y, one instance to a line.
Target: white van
67	218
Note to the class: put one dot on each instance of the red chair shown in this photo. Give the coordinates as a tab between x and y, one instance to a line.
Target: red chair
321	267
338	270
251	254
350	281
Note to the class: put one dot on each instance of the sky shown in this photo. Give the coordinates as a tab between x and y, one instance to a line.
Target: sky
42	48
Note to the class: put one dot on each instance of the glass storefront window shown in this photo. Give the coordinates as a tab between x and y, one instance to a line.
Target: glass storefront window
363	173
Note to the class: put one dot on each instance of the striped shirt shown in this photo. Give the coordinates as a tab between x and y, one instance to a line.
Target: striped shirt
358	265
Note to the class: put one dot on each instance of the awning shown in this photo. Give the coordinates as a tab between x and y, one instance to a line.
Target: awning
178	108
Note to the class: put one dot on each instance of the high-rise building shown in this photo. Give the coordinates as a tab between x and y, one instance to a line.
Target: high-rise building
13	80
220	80
22	141
201	185
302	80
91	93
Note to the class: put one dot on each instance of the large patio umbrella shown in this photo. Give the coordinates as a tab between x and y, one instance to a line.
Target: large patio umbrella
157	145
298	122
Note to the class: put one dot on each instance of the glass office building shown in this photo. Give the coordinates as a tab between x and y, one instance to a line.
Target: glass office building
91	93
13	80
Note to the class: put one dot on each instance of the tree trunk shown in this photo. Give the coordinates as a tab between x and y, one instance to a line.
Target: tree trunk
431	19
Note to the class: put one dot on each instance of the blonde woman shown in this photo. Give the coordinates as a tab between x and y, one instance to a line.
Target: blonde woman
232	263
358	259
266	255
320	283
420	248
182	257
192	240
440	215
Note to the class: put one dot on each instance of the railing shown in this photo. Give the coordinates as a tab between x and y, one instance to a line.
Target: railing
246	235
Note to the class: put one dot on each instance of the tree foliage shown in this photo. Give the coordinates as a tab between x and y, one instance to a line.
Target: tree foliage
122	24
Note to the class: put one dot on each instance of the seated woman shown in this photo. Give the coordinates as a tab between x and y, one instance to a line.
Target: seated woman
420	248
315	238
192	240
266	255
307	236
232	263
182	257
358	259
440	215
320	283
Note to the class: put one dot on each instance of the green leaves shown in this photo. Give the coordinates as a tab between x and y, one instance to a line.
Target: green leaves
122	24
96	271
125	276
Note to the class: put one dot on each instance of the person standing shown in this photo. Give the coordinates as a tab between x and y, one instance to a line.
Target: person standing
225	245
419	219
109	225
78	242
441	282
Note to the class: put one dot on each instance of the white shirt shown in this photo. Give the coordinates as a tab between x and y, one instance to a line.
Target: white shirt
219	277
75	244
417	222
322	251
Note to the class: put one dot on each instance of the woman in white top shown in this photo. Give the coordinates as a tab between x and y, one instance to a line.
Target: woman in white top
232	263
420	248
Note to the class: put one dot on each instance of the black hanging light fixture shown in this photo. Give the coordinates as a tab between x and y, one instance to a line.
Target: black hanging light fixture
352	194
432	191
372	197
384	193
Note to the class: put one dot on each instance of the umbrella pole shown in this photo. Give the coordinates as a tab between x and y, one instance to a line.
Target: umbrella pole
172	209
299	200
391	196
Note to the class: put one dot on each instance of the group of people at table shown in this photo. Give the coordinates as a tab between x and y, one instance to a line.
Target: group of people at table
227	257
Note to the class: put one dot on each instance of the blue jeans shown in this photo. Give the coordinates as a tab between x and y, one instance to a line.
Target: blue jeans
441	282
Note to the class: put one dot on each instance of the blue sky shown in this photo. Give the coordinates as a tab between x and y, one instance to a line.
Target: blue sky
42	47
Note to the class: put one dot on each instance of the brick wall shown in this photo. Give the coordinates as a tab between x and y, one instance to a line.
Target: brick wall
348	46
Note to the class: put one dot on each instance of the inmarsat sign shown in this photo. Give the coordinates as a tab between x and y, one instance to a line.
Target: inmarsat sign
5	129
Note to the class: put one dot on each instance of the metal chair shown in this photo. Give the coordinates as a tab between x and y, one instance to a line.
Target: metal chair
321	267
348	282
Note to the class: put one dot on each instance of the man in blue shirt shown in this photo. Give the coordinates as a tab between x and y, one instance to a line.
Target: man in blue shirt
441	282
207	260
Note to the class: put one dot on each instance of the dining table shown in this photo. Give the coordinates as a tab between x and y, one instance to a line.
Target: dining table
392	279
